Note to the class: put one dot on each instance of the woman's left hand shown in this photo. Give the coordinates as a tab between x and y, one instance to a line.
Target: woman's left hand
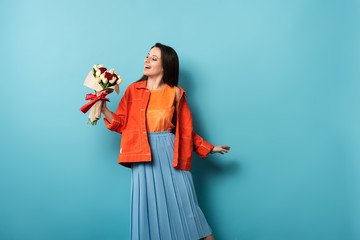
220	149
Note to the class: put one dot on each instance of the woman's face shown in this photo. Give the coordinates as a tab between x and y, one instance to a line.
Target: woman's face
152	64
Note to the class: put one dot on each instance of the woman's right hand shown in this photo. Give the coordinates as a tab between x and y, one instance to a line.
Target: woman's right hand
107	113
104	107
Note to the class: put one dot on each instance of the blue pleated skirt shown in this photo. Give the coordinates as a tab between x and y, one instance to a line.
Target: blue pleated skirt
163	201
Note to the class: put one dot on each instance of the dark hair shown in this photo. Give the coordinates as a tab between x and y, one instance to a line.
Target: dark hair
170	64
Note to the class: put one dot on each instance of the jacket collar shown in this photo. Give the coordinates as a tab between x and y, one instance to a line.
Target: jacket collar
142	84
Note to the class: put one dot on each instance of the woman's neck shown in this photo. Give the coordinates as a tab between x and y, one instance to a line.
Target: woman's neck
155	83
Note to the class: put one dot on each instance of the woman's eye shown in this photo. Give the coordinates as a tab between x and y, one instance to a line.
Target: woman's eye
154	59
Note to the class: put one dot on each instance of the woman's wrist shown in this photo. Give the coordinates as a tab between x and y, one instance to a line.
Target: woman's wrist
104	109
107	113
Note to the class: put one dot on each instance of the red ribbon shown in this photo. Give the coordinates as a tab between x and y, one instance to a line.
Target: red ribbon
94	99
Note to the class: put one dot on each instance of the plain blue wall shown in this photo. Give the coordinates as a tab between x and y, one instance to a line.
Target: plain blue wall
277	80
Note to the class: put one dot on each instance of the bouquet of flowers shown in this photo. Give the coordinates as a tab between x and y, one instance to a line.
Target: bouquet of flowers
103	82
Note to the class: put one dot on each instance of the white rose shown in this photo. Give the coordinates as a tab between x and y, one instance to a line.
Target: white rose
102	76
112	81
100	66
112	71
105	80
98	73
99	80
95	67
119	81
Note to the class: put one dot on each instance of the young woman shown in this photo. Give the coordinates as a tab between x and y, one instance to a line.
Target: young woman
157	143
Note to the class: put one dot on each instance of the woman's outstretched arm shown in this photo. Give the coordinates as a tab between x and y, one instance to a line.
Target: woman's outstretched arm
201	147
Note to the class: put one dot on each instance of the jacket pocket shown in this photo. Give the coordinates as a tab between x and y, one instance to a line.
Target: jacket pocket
130	141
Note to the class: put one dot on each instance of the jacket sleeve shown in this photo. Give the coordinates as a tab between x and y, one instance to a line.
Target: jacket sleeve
201	147
120	117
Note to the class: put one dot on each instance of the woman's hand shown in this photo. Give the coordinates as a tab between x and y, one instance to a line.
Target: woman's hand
220	149
106	112
104	107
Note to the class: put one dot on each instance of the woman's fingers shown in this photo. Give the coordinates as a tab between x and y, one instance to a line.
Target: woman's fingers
225	148
221	149
103	107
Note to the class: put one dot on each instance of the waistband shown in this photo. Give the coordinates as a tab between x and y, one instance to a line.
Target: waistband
159	133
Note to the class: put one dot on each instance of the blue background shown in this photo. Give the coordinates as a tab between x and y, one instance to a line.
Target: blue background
276	80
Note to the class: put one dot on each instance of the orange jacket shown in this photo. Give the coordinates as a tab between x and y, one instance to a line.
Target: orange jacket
129	120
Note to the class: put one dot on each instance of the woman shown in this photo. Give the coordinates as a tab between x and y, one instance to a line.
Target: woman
163	198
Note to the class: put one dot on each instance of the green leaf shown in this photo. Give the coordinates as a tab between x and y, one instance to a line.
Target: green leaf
94	123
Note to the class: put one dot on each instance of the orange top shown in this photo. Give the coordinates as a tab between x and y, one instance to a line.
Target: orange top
160	110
